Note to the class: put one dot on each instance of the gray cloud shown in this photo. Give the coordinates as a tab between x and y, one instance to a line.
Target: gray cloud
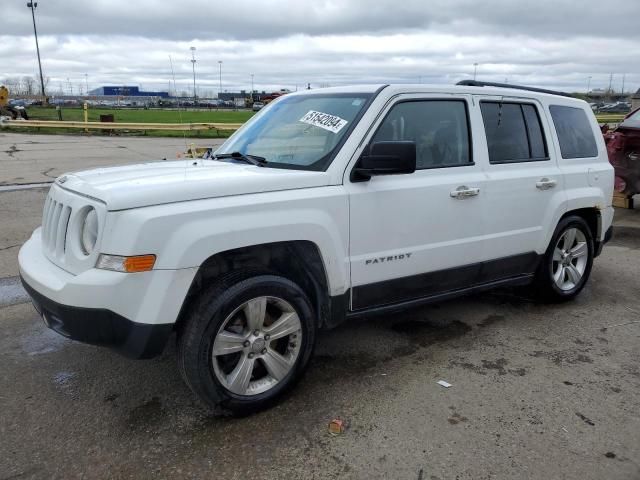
248	19
287	43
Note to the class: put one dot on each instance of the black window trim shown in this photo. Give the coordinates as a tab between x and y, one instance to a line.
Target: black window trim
464	101
526	125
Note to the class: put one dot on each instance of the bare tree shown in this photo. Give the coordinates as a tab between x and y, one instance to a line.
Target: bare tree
29	84
12	84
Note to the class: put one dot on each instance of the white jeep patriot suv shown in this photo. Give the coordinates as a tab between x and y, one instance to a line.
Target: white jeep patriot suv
327	205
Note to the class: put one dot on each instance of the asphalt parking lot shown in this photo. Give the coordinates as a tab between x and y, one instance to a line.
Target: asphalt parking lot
538	391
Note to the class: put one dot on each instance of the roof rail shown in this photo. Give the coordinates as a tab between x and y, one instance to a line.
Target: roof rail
476	83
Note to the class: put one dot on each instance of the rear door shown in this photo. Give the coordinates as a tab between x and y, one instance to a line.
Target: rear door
419	234
524	189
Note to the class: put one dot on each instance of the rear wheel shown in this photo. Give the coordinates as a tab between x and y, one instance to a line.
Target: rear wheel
567	263
246	342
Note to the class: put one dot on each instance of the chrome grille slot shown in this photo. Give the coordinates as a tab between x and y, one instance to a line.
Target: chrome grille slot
51	234
55	221
45	213
62	218
61	235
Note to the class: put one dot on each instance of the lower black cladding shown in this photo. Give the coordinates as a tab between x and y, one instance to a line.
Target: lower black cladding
436	284
101	327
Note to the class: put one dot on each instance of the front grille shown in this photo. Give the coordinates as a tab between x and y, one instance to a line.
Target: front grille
55	220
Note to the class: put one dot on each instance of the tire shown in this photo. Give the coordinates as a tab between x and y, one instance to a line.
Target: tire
218	347
565	269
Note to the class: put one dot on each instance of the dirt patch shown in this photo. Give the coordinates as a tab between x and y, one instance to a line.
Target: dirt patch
427	333
626	237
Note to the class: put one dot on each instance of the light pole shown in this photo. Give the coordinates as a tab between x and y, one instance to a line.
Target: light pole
193	67
32	6
220	86
86	83
252	86
475	70
588	84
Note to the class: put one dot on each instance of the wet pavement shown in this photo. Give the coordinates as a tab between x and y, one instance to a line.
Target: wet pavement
538	391
29	159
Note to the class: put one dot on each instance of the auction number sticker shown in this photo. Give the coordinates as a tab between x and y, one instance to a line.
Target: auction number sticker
333	123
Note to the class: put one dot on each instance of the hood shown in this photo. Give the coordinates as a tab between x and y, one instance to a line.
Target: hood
155	183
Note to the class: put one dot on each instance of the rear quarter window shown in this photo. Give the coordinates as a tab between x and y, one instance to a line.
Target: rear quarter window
574	131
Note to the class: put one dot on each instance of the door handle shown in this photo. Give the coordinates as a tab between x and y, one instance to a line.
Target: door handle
464	192
545	183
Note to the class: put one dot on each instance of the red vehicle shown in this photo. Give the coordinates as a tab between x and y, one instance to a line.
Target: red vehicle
623	147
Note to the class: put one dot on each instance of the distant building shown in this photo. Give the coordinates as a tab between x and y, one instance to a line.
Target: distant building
126	91
231	96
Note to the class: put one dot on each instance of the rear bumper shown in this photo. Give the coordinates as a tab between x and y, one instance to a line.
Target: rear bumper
101	327
607	236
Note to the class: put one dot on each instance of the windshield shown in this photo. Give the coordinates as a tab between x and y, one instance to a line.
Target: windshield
299	131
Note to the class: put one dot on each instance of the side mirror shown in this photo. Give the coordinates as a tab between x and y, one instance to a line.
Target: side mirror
386	158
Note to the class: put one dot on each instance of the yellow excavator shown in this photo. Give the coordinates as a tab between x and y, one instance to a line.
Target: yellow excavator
7	110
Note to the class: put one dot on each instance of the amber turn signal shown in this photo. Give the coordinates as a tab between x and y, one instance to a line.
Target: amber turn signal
141	263
134	264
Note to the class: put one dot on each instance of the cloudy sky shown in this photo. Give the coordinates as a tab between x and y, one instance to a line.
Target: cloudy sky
288	43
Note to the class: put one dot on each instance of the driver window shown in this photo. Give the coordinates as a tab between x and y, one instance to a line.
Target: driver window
439	128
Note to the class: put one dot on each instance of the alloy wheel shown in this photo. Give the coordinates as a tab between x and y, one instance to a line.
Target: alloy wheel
570	258
257	345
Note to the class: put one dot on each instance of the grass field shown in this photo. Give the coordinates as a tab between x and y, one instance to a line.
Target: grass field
169	116
141	116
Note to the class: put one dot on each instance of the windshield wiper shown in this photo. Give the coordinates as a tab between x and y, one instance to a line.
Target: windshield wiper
252	159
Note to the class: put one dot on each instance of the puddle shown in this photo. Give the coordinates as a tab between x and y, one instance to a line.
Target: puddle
42	341
626	237
11	292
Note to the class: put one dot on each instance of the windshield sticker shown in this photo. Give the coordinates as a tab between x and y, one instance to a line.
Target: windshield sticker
329	122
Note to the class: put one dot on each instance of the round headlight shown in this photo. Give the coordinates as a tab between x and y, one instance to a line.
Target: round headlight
89	232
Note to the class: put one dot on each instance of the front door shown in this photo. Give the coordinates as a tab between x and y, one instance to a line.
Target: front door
419	234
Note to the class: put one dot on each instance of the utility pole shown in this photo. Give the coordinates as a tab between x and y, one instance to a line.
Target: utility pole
475	70
610	81
220	85
252	86
86	83
193	66
623	75
32	5
588	84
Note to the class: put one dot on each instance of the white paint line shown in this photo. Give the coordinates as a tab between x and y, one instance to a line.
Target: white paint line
24	186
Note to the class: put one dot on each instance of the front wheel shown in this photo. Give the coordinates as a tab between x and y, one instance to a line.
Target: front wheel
567	263
245	343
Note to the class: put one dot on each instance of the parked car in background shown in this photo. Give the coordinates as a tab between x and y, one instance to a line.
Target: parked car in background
257	106
623	148
618	107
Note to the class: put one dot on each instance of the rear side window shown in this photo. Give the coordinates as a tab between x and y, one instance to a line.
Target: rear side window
514	133
574	132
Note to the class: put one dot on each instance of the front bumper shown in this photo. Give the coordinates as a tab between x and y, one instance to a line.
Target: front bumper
133	313
101	327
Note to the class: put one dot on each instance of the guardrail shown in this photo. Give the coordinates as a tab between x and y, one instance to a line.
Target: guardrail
120	126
